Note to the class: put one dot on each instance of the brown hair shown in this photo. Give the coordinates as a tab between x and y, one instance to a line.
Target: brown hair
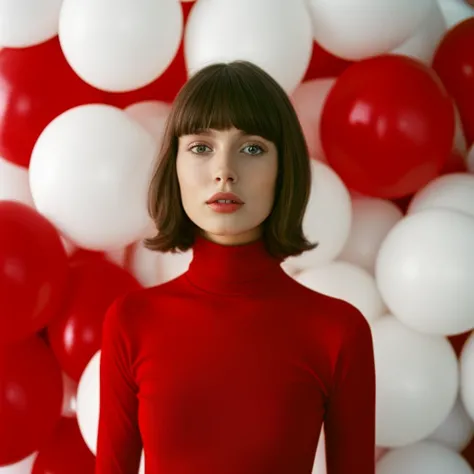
241	95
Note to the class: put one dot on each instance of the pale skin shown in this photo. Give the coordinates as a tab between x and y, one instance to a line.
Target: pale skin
227	161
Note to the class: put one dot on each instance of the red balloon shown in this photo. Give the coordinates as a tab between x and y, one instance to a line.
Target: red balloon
324	64
31	395
37	84
75	334
33	271
387	127
166	87
454	63
66	453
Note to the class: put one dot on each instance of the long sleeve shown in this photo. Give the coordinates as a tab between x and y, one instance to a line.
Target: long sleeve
350	415
119	443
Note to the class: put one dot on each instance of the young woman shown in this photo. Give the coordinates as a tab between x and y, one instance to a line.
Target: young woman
232	367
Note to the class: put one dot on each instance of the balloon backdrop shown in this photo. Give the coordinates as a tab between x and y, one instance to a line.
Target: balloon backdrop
31	398
75	334
365	28
383	90
37	85
100	39
101	149
221	31
387	126
33	271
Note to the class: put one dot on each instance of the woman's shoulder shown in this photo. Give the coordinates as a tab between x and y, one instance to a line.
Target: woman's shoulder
329	314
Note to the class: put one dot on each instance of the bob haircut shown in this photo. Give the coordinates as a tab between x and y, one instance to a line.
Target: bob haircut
222	96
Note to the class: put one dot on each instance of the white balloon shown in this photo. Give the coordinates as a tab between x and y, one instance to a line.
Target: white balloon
451	192
455	11
120	45
25	466
25	23
88	402
372	219
14	185
424	271
457	429
423	42
417	382
152	116
425	457
327	218
466	361
152	268
347	282
89	175
308	100
274	34
357	30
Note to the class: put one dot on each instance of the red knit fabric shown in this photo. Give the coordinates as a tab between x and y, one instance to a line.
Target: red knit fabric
232	368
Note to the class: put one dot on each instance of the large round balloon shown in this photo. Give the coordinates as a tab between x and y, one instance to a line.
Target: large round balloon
165	87
274	34
75	335
363	28
26	23
387	127
454	62
36	85
120	46
89	174
425	269
33	271
417	382
65	452
31	395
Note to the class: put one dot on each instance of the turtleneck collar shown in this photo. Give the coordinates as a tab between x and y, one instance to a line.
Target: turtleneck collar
233	269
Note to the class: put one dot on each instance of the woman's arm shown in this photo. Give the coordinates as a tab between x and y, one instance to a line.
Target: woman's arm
119	442
350	416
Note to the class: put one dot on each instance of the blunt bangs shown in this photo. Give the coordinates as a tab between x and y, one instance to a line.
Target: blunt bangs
229	97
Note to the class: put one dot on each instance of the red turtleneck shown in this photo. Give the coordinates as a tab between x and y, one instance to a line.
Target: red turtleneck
232	368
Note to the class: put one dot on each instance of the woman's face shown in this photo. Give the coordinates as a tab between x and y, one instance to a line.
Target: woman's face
227	161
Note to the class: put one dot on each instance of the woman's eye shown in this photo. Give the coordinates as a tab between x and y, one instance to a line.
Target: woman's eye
199	149
254	149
